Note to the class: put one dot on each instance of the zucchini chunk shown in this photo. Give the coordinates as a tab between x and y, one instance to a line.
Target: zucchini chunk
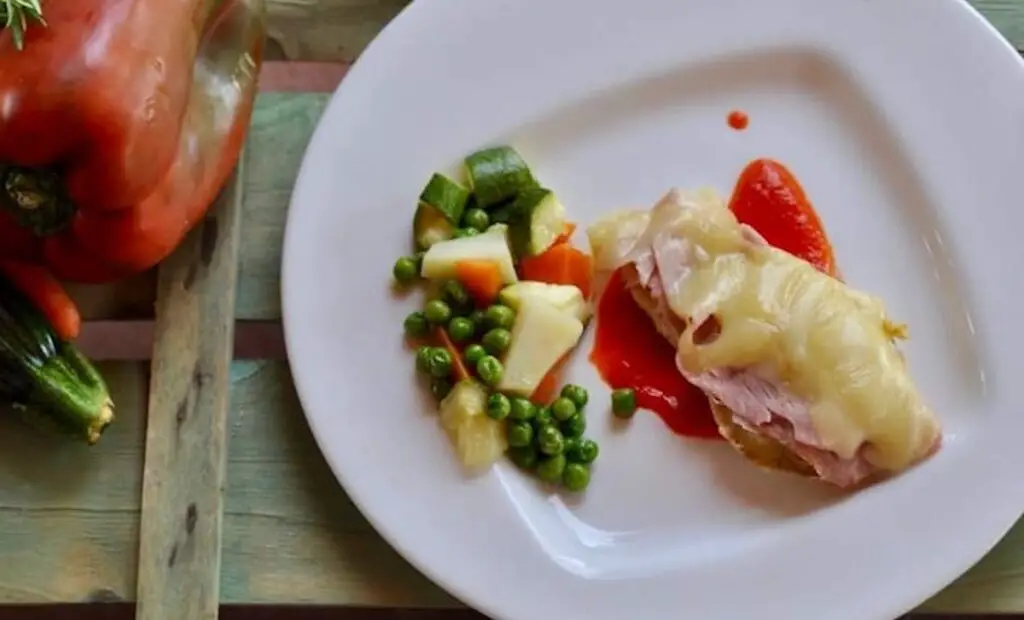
538	218
497	175
440	208
48	381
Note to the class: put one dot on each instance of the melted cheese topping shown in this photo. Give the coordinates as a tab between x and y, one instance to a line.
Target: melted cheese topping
827	343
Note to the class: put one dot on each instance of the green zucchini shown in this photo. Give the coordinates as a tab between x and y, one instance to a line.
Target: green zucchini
429	226
538	218
497	174
440	208
48	381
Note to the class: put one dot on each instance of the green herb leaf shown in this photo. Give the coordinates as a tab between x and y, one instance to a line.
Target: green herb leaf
15	15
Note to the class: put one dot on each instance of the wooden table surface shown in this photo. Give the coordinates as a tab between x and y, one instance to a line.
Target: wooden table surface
71	515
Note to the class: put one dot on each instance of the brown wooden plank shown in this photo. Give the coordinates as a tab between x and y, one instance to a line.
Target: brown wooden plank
123	611
301	77
326	30
186	439
133	340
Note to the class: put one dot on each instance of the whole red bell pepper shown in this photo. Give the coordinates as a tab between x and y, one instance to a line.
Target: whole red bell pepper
120	121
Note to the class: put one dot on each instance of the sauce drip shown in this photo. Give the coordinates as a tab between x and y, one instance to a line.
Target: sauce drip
630	353
628	350
738	120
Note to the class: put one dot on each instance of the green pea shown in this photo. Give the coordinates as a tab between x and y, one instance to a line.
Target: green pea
498	406
576	476
479	319
440	387
577	394
440	363
542	417
563	409
550	440
497	340
423	357
571	443
455	294
476	219
406	270
524	456
523	409
473	354
551	468
520	434
460	329
489	369
437	312
416	325
582	451
500	316
575	426
624	403
465	232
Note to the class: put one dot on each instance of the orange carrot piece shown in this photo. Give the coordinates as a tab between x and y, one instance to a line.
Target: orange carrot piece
581	271
481	278
561	264
548	387
458	365
47	294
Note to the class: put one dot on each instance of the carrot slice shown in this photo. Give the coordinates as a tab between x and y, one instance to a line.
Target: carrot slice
481	278
458	365
47	295
562	263
547	389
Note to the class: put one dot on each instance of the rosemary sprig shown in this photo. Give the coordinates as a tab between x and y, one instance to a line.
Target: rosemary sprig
15	15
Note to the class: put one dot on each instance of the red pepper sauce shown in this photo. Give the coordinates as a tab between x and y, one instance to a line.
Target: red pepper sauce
738	120
630	353
769	199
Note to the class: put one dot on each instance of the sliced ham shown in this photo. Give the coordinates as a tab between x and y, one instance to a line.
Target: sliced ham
654	262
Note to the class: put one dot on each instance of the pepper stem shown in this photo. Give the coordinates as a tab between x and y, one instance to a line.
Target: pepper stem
36	198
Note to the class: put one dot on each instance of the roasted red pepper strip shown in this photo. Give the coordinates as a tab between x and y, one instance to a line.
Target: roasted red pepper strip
120	121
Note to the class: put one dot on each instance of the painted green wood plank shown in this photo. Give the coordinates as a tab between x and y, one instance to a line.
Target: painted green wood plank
281	127
1007	16
291	534
69	512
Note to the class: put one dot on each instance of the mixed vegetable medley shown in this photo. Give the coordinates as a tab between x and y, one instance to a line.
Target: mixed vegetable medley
508	299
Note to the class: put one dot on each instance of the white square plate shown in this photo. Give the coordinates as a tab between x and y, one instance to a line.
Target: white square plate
905	122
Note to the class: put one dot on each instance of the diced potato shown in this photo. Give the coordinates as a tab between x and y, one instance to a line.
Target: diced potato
478	440
440	260
565	297
541	335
